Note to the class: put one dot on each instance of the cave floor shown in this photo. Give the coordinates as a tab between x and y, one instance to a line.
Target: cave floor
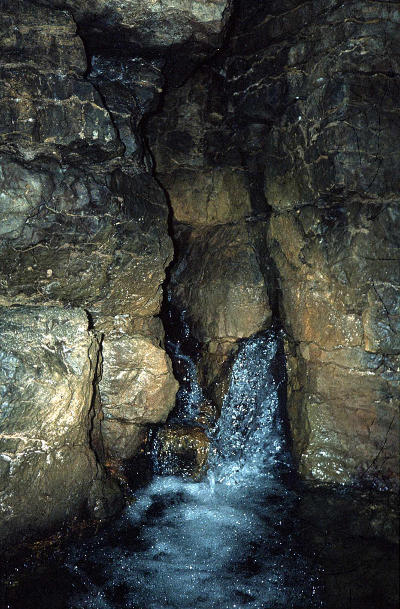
186	545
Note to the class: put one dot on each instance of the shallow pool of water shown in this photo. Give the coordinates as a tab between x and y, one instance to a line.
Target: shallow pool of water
249	536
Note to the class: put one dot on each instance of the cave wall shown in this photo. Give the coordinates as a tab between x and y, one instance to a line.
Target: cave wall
325	88
220	276
274	132
84	246
300	109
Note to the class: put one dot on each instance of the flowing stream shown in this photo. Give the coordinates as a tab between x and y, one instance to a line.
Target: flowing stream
221	543
232	541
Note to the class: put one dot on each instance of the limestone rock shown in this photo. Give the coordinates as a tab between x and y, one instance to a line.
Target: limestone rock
322	84
221	284
83	222
208	197
137	388
49	472
179	32
182	451
202	192
149	24
340	307
222	276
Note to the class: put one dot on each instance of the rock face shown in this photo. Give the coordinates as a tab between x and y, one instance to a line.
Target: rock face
137	388
83	222
179	33
328	168
182	451
344	383
297	121
221	276
280	160
48	469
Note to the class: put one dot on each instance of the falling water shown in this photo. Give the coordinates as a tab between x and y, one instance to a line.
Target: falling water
249	440
218	544
240	539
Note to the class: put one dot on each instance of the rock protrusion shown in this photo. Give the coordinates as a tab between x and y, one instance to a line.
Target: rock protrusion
49	473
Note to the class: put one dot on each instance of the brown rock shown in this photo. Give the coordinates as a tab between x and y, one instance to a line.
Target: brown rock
343	388
48	470
209	196
222	286
137	388
183	451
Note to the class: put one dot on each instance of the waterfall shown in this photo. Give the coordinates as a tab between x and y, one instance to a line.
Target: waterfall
238	539
221	543
190	394
249	441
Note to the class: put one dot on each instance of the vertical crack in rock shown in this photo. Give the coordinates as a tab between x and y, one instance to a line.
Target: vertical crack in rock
278	148
291	131
84	224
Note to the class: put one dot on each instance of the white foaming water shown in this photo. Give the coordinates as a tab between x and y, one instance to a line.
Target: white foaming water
224	543
190	394
249	442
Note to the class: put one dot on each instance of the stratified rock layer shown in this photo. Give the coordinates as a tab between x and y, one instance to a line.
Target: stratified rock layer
83	224
48	470
322	79
295	124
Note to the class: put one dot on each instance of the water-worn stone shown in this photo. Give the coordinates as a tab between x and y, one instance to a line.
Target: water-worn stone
137	388
83	222
313	85
182	450
306	95
221	284
49	472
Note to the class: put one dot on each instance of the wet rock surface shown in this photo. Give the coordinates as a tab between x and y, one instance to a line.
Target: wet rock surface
312	89
182	451
83	222
299	110
220	277
343	384
249	530
137	388
48	469
180	32
279	159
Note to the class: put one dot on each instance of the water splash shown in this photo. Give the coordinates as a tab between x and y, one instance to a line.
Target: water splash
190	394
249	442
224	543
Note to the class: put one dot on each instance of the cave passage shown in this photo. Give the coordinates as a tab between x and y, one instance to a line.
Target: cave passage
242	156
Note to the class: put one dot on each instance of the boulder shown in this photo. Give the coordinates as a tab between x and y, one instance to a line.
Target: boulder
49	472
182	451
137	388
221	284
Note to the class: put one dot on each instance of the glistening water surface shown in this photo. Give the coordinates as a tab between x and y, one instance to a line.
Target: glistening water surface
240	539
217	543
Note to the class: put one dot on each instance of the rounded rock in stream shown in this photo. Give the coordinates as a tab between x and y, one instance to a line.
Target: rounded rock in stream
182	450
